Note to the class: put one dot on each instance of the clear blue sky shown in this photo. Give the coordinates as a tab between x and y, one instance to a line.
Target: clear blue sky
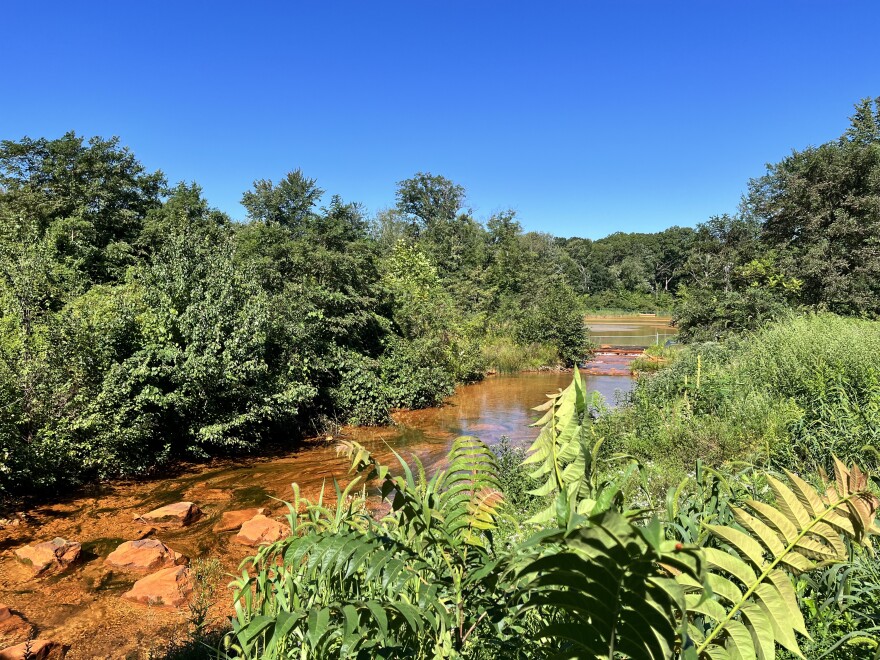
585	117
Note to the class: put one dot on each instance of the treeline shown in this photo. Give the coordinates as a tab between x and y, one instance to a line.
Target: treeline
139	325
805	238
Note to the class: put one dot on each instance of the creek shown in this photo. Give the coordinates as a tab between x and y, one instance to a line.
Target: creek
82	606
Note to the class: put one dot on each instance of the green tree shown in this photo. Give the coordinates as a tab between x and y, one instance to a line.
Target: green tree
428	200
289	203
820	209
91	198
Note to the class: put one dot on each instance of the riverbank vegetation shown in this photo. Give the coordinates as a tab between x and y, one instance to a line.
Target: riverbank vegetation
789	396
727	569
722	512
140	326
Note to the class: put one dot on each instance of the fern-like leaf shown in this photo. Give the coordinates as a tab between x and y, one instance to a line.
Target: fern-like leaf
754	606
610	577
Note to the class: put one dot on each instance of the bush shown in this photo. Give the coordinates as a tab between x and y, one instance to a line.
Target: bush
416	373
361	394
555	317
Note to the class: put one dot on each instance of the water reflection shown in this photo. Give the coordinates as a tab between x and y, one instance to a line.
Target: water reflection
499	406
630	330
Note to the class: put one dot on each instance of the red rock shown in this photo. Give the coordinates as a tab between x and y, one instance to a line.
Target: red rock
232	520
261	530
14	629
143	532
169	587
36	649
178	514
58	553
144	555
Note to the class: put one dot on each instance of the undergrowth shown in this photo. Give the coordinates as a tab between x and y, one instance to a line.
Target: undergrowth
504	355
788	396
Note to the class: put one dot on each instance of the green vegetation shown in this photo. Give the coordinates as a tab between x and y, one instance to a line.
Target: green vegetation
698	520
654	358
789	396
139	326
804	238
504	355
723	573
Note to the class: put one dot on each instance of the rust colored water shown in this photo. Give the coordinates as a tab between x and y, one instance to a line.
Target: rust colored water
82	607
630	330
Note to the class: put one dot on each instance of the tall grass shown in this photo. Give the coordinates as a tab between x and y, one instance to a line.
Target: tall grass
830	367
506	356
789	396
655	358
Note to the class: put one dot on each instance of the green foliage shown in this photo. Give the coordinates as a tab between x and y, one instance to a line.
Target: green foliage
555	316
616	301
566	457
210	336
841	606
755	606
87	201
655	358
413	585
606	576
827	365
820	208
288	204
361	391
628	271
793	394
718	579
137	330
705	314
514	481
503	355
416	373
805	237
426	580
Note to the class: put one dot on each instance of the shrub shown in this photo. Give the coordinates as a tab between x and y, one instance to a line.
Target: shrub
416	373
360	393
554	316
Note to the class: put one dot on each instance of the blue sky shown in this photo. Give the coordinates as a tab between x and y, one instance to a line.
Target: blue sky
585	117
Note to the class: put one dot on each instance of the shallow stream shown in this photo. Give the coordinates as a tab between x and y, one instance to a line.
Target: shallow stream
82	606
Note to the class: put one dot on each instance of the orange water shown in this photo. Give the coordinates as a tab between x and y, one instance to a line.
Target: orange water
82	607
